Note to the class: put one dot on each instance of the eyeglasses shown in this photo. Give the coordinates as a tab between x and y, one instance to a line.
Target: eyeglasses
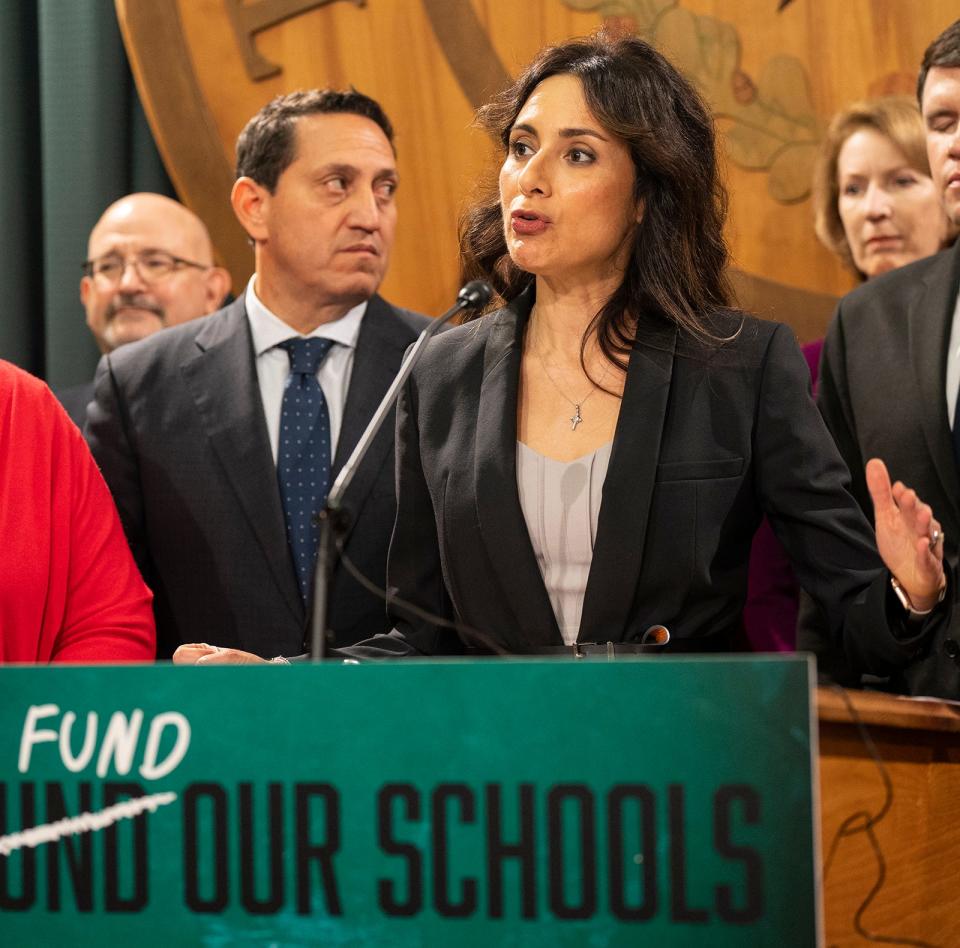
151	266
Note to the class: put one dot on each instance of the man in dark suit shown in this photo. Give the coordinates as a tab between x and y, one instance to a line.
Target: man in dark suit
149	265
890	377
220	438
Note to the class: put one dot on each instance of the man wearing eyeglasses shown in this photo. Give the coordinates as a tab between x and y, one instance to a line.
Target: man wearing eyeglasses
150	265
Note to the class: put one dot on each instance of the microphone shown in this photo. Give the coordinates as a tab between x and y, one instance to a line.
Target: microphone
474	295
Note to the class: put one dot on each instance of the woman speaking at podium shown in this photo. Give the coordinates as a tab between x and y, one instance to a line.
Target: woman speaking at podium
589	462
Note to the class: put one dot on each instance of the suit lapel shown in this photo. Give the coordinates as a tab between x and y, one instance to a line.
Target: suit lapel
222	380
381	343
502	524
627	494
930	319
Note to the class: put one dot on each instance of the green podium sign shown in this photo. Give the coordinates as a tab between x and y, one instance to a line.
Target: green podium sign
584	803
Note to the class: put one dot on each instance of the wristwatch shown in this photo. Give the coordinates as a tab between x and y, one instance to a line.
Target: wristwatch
905	599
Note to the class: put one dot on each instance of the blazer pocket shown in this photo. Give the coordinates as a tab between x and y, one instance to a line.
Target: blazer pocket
699	470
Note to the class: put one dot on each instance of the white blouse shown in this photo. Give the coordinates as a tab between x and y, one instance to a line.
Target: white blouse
561	504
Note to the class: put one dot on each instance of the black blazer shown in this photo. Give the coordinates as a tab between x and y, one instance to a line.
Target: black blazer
708	439
178	429
883	394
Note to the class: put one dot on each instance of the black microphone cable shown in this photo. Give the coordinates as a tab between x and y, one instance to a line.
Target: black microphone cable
390	597
863	821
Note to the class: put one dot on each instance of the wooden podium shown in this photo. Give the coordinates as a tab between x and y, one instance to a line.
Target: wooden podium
894	825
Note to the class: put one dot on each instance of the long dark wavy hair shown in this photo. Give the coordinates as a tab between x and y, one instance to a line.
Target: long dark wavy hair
676	272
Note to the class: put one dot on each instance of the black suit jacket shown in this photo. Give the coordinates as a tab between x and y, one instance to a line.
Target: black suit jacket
883	394
708	439
178	429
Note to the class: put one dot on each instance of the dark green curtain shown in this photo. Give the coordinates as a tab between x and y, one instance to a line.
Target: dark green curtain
74	138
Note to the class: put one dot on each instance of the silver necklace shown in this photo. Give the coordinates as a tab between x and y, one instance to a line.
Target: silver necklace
576	418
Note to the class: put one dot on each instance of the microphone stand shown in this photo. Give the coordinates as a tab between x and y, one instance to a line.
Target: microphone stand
334	519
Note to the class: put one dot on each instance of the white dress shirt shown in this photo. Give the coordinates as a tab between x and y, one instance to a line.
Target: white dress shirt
273	364
953	363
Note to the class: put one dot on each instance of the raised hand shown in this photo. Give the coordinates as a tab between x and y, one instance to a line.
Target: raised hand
909	537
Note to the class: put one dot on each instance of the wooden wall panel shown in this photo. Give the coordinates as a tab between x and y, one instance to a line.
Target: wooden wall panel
773	78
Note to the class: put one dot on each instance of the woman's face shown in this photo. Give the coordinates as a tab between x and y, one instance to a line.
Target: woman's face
566	190
891	212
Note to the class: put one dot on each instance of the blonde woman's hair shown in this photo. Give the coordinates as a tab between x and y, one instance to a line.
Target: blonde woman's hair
895	117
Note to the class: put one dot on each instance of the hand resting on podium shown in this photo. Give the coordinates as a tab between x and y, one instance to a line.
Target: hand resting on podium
199	653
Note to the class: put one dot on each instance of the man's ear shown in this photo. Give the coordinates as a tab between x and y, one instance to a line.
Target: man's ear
218	282
251	204
85	282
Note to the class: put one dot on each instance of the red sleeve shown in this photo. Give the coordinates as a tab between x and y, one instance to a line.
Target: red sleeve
107	612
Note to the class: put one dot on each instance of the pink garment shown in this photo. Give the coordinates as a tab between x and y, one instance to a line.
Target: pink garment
69	588
770	613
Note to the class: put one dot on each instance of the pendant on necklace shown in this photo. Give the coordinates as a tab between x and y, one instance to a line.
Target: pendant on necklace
575	419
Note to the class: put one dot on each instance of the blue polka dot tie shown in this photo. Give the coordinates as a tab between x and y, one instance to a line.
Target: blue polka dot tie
303	458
